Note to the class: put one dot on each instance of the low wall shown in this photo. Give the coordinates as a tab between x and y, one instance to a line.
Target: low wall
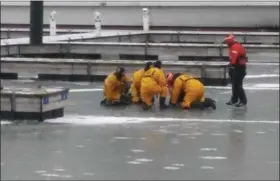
210	73
268	38
154	51
7	33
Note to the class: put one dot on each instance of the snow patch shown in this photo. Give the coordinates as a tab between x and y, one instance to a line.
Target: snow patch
80	146
40	171
6	122
134	162
88	173
207	168
218	134
237	131
208	149
171	168
212	157
59	170
261	76
55	175
137	151
97	120
145	160
178	165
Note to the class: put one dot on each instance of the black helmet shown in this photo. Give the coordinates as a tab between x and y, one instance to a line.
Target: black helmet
176	75
148	65
120	70
158	64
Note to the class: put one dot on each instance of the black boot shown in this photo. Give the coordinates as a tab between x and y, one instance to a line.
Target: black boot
162	104
197	105
107	103
140	101
153	100
103	102
240	104
145	106
231	102
209	103
125	100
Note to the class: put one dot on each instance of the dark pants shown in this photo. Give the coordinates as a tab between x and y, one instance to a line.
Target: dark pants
124	100
181	97
237	75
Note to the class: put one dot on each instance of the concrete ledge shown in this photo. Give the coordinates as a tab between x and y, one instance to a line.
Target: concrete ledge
101	78
269	38
67	37
113	50
7	33
35	104
96	70
151	36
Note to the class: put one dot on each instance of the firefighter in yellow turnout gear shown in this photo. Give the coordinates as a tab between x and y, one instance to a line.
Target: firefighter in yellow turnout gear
116	88
188	91
153	83
136	84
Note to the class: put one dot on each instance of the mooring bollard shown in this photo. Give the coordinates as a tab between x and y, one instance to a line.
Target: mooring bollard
146	19
52	24
97	23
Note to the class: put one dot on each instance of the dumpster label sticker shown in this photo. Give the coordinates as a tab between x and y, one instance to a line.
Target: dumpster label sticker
45	100
64	96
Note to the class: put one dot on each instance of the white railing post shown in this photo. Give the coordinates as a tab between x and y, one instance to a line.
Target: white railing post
52	24
97	23
146	19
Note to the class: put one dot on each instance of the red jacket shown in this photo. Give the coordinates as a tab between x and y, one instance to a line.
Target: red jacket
237	54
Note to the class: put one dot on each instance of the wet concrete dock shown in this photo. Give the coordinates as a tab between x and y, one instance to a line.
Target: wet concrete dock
95	143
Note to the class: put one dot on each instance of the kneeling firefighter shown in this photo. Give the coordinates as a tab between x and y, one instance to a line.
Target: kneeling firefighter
188	91
116	88
136	83
153	83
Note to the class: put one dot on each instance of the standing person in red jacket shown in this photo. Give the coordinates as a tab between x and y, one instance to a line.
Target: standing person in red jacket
237	71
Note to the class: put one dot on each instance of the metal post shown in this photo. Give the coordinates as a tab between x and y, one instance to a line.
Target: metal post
146	19
36	22
97	23
52	23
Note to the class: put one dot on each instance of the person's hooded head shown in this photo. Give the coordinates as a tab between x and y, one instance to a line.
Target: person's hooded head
158	64
170	77
148	65
229	40
120	72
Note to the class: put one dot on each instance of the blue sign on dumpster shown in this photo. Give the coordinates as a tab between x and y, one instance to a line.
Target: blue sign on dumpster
64	96
45	100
